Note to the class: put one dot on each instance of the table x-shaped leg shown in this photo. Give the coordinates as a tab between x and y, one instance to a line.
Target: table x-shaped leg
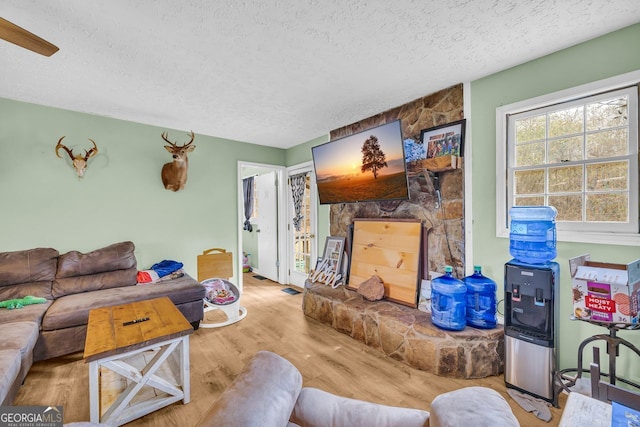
119	412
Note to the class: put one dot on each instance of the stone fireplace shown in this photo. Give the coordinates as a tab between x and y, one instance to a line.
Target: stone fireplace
436	199
407	334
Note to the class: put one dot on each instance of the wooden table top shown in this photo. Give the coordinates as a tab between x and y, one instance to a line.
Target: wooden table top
108	334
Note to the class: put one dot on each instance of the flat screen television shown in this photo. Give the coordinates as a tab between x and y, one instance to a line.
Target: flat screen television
367	166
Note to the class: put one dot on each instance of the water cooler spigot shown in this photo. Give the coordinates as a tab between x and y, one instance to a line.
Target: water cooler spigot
539	298
515	293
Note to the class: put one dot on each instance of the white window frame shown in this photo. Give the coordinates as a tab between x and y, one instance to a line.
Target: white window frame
502	161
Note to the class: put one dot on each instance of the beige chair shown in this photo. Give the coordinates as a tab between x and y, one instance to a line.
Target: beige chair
268	392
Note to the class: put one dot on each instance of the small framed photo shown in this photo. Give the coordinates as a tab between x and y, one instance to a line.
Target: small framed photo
444	140
333	249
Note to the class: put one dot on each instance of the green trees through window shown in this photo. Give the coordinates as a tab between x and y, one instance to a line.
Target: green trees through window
576	156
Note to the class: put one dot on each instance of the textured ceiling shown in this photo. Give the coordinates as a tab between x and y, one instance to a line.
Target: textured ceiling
279	72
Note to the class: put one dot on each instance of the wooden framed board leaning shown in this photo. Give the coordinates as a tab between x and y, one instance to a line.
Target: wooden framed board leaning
390	249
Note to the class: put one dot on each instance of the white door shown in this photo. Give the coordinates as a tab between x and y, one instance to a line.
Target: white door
301	240
267	229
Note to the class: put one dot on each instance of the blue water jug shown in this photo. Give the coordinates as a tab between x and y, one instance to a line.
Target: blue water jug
448	301
532	234
481	300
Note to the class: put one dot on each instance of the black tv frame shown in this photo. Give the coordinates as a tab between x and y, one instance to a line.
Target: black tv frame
340	148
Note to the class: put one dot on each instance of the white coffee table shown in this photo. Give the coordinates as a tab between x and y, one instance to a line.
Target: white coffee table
118	335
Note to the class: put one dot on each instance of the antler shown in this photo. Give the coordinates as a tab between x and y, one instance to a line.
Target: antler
92	152
78	162
193	136
165	136
60	145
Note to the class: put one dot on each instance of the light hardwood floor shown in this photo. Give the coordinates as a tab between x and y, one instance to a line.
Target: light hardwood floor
327	359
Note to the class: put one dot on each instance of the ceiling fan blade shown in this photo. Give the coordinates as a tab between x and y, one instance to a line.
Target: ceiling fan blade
23	38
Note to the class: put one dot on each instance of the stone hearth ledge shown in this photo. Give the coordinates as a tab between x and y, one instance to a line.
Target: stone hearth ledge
407	334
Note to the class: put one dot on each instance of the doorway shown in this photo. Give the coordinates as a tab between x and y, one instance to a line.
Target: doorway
265	192
266	242
302	223
295	251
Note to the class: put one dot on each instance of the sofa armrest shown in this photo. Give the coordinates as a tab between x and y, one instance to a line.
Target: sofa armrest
317	408
263	394
472	406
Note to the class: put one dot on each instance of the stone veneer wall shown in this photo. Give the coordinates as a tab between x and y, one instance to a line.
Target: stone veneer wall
401	332
445	224
407	334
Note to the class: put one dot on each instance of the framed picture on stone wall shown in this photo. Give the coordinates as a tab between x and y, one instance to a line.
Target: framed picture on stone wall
332	255
444	140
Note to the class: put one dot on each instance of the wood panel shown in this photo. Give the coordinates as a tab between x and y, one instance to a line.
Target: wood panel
389	249
215	265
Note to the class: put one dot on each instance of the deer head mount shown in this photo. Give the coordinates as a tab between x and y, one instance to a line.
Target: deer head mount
78	161
174	174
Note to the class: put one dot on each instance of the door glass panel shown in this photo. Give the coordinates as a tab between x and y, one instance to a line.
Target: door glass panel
302	238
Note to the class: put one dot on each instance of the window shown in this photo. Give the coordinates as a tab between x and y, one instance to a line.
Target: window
577	151
303	237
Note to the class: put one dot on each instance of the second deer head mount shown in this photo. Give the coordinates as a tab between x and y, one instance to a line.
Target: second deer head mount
78	161
174	174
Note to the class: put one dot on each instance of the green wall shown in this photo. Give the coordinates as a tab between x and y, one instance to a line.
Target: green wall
250	246
610	55
302	152
121	196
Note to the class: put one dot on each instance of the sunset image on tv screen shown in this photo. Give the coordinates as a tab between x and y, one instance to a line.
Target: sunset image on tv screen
366	166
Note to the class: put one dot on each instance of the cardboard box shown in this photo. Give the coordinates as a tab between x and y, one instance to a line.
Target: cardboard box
604	292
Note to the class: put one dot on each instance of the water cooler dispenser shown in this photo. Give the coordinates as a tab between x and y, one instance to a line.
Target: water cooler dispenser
530	325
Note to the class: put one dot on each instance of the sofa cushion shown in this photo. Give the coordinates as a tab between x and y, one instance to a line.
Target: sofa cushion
94	282
28	313
317	408
109	267
28	272
73	310
20	336
263	394
9	370
476	406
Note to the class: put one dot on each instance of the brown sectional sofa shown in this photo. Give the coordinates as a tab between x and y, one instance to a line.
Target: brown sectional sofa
72	283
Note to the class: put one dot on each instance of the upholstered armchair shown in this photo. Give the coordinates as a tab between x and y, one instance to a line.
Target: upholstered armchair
268	392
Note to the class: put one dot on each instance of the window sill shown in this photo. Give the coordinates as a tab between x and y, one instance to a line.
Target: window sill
620	239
